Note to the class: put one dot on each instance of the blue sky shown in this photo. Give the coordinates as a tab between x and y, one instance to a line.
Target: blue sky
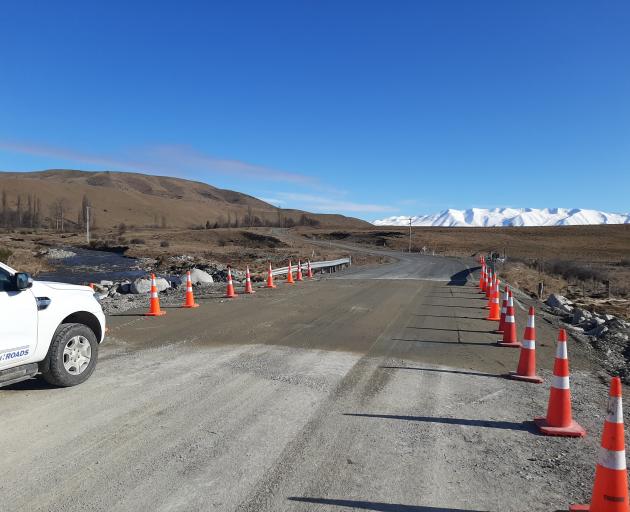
364	108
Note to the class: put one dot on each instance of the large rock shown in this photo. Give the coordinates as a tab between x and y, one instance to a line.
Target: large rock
580	316
598	331
560	303
142	285
198	276
557	301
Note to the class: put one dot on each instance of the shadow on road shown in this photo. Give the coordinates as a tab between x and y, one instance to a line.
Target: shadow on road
455	317
449	306
481	344
375	505
452	330
461	278
502	425
32	384
439	370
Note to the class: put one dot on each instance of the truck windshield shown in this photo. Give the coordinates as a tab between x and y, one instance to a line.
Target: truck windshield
5	280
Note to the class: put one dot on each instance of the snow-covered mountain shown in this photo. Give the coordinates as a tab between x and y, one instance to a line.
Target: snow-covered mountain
482	217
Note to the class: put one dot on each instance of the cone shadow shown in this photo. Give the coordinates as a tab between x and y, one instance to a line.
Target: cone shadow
450	306
377	506
481	344
501	425
453	317
440	370
450	330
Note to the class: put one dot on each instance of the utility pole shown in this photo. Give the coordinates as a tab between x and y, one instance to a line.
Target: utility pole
409	235
87	224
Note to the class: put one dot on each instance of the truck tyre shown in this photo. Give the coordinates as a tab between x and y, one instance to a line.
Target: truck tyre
71	357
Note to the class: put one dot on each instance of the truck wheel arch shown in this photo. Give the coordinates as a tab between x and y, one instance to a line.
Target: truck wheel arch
87	319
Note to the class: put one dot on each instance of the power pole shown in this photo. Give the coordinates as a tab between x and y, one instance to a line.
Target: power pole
409	235
87	224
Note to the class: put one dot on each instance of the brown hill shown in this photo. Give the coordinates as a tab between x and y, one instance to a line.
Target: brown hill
44	198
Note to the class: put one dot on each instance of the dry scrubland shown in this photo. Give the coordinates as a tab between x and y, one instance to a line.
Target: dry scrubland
572	260
238	247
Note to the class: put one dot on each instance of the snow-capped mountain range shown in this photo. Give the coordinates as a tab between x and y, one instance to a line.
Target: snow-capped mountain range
482	217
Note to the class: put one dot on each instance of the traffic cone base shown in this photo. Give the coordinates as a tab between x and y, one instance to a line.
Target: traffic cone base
577	508
534	379
573	430
157	313
515	344
195	305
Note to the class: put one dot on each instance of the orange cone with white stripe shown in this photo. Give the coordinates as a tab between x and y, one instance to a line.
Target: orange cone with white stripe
510	338
298	276
230	293
309	270
559	421
504	305
489	284
495	309
189	302
290	275
154	303
526	369
482	277
248	282
270	278
610	490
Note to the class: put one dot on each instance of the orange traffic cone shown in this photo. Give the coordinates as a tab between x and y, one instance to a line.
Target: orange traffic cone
230	293
154	304
504	305
558	421
190	298
495	309
248	282
270	278
482	279
309	270
510	338
489	284
290	275
526	369
298	276
610	490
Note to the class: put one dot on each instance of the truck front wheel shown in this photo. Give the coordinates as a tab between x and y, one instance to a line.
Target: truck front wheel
71	357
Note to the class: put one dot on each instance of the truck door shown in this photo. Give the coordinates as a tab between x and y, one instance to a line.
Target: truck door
18	323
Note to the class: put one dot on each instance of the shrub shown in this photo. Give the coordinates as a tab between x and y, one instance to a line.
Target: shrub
137	241
5	254
573	270
165	243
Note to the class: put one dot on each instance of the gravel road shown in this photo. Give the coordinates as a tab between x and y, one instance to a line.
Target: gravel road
376	389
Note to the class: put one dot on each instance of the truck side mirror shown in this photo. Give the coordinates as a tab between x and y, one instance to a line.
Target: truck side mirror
22	281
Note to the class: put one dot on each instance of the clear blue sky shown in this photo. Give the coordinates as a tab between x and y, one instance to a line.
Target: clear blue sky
366	108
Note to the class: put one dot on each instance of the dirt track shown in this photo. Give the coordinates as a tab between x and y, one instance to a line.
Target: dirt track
338	394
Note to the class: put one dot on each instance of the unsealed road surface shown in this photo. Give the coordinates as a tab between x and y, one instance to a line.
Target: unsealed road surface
379	391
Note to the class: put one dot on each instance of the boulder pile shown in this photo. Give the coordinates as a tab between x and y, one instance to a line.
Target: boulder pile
607	334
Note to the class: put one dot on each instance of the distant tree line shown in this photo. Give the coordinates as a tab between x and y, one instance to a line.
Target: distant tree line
249	220
25	211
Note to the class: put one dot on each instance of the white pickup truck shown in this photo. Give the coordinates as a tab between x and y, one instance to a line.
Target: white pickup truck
53	329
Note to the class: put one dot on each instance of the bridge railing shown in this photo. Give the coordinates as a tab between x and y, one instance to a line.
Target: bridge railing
330	265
